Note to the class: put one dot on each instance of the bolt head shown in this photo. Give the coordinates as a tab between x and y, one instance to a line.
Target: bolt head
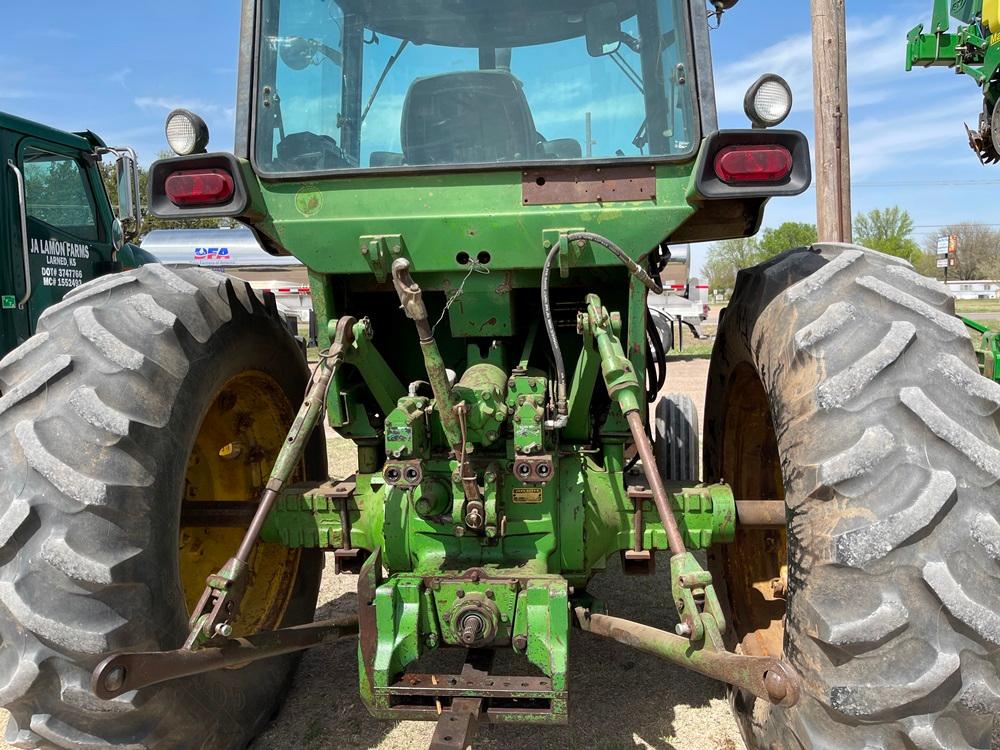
114	679
520	642
776	686
460	594
224	629
682	629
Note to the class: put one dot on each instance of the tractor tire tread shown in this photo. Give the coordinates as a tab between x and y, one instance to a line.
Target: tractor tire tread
78	398
891	456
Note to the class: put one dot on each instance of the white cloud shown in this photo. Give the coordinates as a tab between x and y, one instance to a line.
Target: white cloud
165	103
875	56
119	76
17	94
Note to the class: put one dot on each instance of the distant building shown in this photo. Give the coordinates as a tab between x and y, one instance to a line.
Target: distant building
975	289
237	253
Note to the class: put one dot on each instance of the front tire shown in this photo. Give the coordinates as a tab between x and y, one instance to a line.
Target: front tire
143	393
842	383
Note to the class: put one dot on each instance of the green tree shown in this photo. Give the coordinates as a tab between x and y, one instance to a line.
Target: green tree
726	258
785	237
887	230
926	264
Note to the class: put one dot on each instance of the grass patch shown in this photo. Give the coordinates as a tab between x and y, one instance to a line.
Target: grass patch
977	305
693	349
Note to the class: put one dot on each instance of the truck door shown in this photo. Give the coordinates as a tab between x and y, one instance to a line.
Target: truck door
68	233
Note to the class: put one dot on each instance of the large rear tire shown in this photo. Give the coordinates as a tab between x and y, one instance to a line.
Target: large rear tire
842	383
142	392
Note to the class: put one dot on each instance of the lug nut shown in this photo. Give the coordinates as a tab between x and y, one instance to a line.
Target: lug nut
231	451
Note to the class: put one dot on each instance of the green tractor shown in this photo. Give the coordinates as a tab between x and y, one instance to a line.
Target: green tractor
58	229
485	194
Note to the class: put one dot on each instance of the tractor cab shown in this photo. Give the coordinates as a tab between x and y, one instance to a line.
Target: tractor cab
361	85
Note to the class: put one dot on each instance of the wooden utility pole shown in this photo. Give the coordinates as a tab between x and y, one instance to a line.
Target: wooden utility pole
832	171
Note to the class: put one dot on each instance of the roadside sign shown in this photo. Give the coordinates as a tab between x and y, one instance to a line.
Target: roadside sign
942	262
947	245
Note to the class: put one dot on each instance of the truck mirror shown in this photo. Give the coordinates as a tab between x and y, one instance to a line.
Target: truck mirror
604	31
117	235
127	180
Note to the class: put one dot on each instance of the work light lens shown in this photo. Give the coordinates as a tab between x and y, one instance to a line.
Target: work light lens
768	101
186	132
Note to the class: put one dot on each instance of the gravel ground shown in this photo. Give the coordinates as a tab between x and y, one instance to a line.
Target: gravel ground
619	698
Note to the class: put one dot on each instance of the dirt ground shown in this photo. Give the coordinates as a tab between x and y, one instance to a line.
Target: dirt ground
618	698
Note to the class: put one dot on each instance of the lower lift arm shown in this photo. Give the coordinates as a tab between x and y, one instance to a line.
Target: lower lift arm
698	644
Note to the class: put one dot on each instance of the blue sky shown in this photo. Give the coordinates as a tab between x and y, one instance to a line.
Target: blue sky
118	68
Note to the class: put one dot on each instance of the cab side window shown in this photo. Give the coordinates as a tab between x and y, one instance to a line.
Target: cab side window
57	193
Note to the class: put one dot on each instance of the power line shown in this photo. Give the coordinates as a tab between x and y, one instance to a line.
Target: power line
921	183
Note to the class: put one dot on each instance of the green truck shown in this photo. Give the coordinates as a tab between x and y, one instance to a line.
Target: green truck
58	229
484	195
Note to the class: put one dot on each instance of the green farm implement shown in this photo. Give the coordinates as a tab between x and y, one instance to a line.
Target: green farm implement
972	49
485	195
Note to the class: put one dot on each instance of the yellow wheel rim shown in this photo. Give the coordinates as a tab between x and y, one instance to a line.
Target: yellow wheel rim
755	564
235	448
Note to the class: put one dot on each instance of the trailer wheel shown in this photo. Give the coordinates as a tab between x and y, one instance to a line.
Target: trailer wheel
143	394
842	383
676	442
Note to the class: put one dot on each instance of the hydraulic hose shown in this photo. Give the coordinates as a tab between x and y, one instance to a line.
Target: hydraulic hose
562	408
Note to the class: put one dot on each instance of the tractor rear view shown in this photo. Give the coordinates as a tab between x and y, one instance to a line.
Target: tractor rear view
484	195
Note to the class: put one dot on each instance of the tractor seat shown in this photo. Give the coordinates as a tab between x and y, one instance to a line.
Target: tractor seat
472	117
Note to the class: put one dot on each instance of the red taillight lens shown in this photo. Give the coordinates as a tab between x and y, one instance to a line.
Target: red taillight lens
206	187
736	164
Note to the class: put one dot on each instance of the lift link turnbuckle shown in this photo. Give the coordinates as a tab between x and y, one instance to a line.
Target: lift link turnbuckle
219	605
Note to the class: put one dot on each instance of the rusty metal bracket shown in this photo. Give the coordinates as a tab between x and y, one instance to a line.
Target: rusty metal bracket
347	557
772	679
121	673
